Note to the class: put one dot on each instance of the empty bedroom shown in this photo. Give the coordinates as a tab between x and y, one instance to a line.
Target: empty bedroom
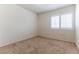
39	28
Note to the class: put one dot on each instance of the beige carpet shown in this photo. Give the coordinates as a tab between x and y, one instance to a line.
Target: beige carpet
40	45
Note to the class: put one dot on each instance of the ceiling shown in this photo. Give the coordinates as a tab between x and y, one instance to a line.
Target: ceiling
39	8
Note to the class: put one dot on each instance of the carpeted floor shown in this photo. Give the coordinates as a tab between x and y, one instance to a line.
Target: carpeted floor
40	45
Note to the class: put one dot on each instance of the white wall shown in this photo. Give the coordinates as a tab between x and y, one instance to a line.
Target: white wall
46	31
77	25
16	23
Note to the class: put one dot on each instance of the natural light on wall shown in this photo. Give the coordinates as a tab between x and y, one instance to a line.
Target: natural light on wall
63	21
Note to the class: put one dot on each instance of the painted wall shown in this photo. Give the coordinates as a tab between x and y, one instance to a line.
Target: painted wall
16	23
77	25
60	34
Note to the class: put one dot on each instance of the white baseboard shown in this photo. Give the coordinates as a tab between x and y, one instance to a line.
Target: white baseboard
56	38
17	40
25	38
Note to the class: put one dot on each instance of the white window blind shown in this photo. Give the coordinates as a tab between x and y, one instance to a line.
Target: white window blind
55	22
66	21
62	21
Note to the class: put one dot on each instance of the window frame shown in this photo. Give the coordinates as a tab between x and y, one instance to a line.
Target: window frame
60	21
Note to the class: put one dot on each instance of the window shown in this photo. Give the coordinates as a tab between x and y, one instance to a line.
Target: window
62	21
66	21
55	22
